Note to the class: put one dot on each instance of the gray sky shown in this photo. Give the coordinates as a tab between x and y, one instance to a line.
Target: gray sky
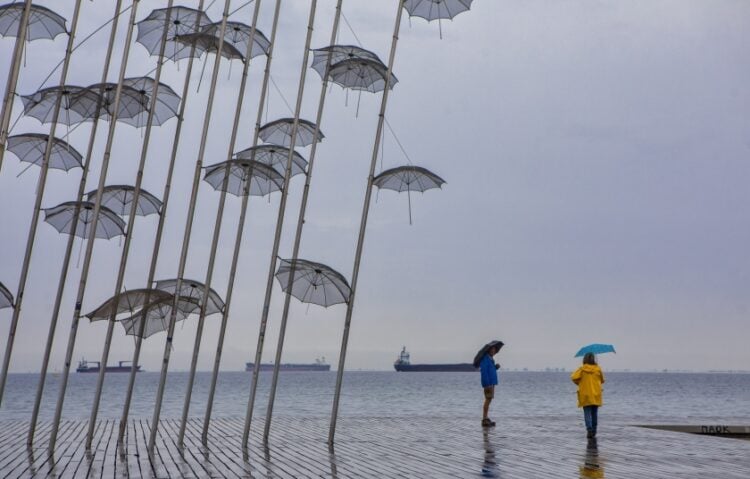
596	159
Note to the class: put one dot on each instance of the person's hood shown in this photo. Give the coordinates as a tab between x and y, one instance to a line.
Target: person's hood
590	368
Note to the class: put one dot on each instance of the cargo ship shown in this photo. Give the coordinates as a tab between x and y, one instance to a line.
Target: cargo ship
94	367
320	364
403	364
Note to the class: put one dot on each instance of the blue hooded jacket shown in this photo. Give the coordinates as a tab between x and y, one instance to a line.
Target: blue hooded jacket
488	371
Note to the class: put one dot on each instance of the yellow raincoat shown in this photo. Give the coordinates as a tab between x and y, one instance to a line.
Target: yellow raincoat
589	379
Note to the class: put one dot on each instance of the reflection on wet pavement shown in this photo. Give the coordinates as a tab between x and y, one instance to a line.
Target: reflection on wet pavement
489	467
592	466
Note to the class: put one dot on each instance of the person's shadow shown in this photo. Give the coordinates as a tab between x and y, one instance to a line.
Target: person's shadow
489	466
592	465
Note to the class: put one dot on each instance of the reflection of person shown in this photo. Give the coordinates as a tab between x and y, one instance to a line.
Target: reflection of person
592	467
488	370
589	378
489	466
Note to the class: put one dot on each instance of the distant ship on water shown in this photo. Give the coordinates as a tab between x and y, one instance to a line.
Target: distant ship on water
94	367
320	364
403	364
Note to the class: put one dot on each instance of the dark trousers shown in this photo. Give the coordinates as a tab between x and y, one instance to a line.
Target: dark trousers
590	416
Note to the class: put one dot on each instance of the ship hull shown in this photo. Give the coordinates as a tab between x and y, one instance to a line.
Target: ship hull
291	367
110	369
424	368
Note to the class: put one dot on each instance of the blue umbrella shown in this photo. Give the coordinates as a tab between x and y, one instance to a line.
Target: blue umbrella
596	349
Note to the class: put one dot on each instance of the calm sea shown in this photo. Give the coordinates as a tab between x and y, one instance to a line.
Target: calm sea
649	397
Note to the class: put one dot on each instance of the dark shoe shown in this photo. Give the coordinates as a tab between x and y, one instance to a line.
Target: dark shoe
590	434
486	422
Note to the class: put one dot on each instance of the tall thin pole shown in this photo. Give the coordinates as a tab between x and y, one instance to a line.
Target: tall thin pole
38	203
71	240
240	229
188	230
300	225
90	242
279	227
157	243
10	87
129	232
363	227
217	229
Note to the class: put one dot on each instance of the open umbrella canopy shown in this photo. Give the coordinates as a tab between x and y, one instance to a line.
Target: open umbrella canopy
193	290
245	177
313	282
43	22
97	101
436	9
207	42
237	35
274	156
6	298
595	348
167	101
128	302
62	216
361	74
30	148
279	132
41	105
483	350
156	315
408	178
119	198
339	53
182	21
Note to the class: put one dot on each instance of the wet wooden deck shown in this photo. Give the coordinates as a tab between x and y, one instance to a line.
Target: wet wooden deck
379	447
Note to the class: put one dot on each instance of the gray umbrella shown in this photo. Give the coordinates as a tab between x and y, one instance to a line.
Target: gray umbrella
97	101
274	156
43	22
194	291
313	282
61	217
182	21
263	179
167	101
30	148
408	178
206	42
237	35
119	198
338	54
157	316
41	104
128	302
361	74
279	132
6	298
436	9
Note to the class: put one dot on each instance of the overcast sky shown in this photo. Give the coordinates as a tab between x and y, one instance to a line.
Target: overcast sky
596	158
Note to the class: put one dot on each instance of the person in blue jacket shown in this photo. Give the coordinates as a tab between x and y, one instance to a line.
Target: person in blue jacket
488	370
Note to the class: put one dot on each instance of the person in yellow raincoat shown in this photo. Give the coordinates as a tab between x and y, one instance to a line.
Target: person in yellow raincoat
589	378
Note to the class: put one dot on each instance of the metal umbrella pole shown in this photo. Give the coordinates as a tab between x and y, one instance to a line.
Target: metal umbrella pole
10	86
38	204
279	227
71	240
363	227
217	230
90	243
300	225
188	230
128	233
157	243
240	229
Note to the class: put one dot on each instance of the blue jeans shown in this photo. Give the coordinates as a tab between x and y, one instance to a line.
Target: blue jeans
590	416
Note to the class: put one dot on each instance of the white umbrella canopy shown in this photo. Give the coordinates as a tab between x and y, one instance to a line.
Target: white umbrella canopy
119	198
436	9
408	178
262	178
182	21
62	216
279	132
41	104
43	22
6	297
274	156
156	316
193	290
30	148
339	53
127	302
361	74
208	42
167	101
237	35
313	282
